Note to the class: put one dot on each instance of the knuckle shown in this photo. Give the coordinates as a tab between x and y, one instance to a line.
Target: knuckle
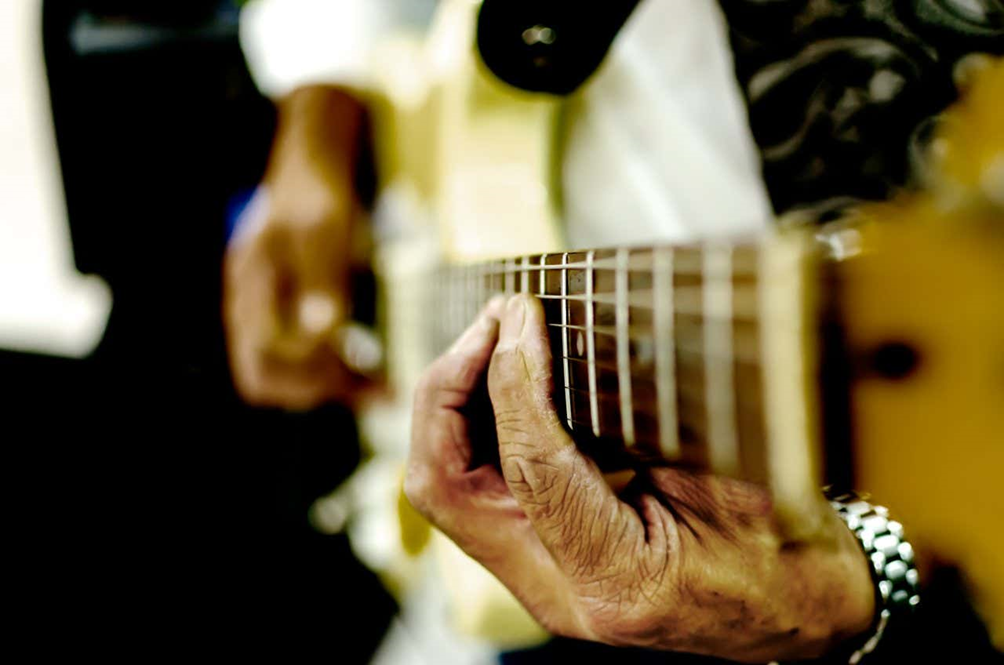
505	370
515	472
427	385
541	483
445	383
418	489
512	379
465	375
512	426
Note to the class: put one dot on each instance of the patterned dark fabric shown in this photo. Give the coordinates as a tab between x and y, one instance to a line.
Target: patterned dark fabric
841	91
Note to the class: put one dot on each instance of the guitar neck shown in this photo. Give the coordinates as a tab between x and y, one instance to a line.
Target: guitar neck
664	351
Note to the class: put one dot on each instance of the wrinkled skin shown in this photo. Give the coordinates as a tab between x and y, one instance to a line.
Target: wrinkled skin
675	561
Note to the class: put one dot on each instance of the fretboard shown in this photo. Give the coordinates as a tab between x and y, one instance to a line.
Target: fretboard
660	349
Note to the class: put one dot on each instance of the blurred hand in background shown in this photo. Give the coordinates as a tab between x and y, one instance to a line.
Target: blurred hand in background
287	272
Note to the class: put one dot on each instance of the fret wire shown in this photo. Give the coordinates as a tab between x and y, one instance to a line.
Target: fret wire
607	331
623	349
564	343
683	333
448	319
665	355
692	296
457	314
472	281
433	325
609	265
469	301
599	364
465	310
717	344
444	284
460	287
472	285
594	411
689	302
444	328
460	290
718	361
482	287
695	350
694	416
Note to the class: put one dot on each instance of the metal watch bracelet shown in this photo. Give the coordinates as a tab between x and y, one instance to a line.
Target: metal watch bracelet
892	562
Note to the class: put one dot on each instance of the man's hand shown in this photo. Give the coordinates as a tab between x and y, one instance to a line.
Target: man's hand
676	561
287	292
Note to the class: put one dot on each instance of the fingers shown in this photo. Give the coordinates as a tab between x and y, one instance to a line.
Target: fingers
439	432
574	511
473	506
273	362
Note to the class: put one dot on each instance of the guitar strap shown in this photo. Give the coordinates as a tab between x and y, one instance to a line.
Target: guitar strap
550	46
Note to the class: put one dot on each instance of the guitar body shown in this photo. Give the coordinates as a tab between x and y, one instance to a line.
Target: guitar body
928	418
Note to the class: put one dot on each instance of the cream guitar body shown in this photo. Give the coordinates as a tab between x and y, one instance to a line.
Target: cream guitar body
466	165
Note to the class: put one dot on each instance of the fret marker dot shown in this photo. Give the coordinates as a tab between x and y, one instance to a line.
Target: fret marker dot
580	344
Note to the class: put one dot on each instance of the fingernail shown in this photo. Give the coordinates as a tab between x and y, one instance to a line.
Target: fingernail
496	306
512	322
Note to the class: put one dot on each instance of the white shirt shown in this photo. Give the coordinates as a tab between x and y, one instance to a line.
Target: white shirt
658	148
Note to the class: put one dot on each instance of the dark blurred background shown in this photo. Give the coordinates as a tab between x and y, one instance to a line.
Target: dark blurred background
153	512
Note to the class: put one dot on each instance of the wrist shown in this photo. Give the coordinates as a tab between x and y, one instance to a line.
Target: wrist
831	597
321	127
860	601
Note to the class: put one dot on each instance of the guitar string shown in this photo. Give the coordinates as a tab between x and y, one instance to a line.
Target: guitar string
486	274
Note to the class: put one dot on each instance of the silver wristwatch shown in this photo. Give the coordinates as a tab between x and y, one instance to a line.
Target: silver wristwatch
893	570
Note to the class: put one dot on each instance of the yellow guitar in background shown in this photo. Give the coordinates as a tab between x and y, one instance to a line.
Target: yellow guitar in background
871	349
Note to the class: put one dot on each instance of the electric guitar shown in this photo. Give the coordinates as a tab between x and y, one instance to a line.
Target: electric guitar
865	353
